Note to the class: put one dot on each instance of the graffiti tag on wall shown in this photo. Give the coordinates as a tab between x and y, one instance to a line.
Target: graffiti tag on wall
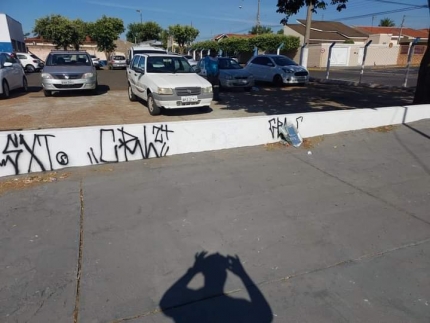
26	153
275	124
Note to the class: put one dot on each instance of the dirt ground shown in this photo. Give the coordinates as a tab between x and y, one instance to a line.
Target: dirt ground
33	111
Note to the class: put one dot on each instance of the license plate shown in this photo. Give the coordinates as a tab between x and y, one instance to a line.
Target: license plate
66	82
189	98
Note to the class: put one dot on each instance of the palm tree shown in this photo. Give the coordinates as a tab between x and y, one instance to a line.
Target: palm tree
386	22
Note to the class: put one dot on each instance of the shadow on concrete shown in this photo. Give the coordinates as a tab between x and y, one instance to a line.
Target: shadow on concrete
180	112
312	98
211	303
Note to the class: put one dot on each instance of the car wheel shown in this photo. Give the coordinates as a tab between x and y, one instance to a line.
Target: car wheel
30	68
24	84
47	92
154	110
131	96
6	91
277	80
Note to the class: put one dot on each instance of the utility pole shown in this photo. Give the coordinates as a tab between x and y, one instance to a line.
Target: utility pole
307	35
401	29
140	13
373	18
258	17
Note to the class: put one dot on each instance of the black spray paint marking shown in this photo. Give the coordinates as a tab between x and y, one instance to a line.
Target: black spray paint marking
62	158
17	146
275	124
129	145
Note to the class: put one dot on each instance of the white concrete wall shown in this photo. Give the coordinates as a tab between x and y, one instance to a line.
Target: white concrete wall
4	29
45	150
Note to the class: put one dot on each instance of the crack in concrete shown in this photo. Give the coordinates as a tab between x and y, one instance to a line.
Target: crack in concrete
81	243
280	280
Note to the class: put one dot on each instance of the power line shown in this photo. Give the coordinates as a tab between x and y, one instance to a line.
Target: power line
397	3
381	13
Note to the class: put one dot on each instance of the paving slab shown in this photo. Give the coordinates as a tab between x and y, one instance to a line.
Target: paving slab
340	234
39	235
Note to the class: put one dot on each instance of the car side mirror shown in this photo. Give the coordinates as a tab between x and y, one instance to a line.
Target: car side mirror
7	64
197	70
127	61
139	70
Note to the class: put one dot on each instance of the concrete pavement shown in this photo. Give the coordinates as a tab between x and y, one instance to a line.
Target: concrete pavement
338	235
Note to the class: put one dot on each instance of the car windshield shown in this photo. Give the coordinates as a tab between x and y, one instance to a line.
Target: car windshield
119	58
283	61
67	59
169	64
228	64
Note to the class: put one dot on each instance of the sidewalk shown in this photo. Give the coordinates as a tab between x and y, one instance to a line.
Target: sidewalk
341	234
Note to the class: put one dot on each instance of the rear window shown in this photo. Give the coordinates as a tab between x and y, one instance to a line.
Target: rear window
119	58
67	59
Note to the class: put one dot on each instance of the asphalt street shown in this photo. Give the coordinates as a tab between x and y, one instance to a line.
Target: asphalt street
337	231
388	76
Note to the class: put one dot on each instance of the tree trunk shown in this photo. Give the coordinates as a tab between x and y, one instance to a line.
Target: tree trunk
422	92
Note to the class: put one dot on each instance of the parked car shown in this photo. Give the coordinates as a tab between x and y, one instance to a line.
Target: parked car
166	81
277	69
96	61
67	71
117	61
30	62
231	74
191	60
12	75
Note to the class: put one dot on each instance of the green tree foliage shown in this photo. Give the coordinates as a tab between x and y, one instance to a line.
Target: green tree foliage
61	31
349	41
140	32
386	22
259	30
105	31
183	35
280	32
235	45
164	37
272	42
208	44
292	7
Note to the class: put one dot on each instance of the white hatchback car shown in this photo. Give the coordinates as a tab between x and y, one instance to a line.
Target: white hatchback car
277	69
166	81
12	75
30	62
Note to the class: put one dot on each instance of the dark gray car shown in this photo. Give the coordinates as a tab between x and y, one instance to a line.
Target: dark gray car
68	70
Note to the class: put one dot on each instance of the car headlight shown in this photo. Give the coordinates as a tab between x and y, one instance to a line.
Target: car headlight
46	76
88	75
287	70
165	90
207	89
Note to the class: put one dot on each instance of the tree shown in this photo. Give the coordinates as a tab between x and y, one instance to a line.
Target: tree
61	31
139	32
105	31
259	30
291	7
280	32
164	36
386	22
183	35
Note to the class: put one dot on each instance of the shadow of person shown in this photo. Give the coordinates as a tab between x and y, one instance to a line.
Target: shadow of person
210	303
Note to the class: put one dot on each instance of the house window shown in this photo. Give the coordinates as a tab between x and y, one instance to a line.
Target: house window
404	49
419	50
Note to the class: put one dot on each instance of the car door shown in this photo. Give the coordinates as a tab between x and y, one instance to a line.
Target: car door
13	72
132	74
257	67
140	65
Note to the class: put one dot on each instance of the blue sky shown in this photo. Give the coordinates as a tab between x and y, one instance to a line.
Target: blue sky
211	18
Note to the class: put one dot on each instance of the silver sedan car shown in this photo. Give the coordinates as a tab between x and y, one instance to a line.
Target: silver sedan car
277	69
68	70
231	74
